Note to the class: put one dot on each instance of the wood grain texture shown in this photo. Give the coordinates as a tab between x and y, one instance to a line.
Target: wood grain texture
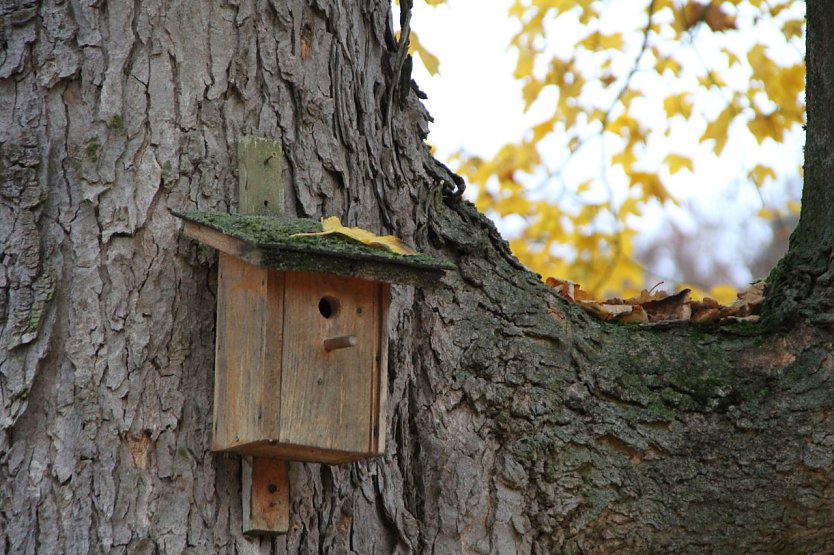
244	324
328	393
379	430
223	243
260	189
278	390
266	499
293	452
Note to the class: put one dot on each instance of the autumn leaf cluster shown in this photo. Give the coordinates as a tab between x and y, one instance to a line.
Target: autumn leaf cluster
657	308
724	76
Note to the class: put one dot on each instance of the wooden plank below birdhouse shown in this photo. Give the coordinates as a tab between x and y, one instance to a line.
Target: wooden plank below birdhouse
266	495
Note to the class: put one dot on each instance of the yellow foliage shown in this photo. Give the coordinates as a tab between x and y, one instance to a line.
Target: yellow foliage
718	129
770	126
651	184
678	105
667	63
597	41
724	294
793	28
430	61
599	231
760	173
677	162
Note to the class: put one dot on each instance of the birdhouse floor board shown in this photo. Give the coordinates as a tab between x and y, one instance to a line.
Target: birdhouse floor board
271	449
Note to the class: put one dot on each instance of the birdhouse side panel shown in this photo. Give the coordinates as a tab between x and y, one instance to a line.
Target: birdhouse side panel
248	353
330	373
380	377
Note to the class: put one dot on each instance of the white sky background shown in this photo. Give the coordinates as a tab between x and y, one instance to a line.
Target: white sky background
477	107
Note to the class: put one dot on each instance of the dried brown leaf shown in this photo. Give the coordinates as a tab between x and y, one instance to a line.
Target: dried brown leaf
674	307
636	316
706	315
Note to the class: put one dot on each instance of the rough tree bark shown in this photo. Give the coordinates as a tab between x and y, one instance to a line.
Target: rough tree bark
517	423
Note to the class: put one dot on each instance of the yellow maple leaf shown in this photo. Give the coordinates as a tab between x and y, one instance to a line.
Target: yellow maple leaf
388	242
759	173
676	163
652	186
430	61
793	28
766	126
667	63
717	130
732	59
525	63
678	104
598	41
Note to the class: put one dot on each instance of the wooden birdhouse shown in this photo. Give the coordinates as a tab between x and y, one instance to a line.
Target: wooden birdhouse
302	336
301	347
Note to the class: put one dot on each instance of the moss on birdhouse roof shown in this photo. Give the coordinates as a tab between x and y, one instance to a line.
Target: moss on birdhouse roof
268	241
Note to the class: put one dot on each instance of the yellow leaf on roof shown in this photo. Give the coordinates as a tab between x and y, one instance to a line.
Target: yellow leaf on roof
388	242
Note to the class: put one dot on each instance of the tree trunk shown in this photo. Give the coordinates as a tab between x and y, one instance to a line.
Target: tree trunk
517	423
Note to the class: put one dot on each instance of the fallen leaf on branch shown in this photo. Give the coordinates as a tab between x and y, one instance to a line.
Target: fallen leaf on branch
636	316
675	307
706	315
750	299
569	289
388	242
657	308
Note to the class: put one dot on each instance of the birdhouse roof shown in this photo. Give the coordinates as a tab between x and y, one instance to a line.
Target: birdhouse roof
268	241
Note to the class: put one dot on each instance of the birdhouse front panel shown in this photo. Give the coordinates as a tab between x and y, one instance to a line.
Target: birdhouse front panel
331	361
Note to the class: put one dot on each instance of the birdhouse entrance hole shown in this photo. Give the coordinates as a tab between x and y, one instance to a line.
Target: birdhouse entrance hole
328	307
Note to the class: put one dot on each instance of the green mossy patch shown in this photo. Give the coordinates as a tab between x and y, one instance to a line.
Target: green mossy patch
280	248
